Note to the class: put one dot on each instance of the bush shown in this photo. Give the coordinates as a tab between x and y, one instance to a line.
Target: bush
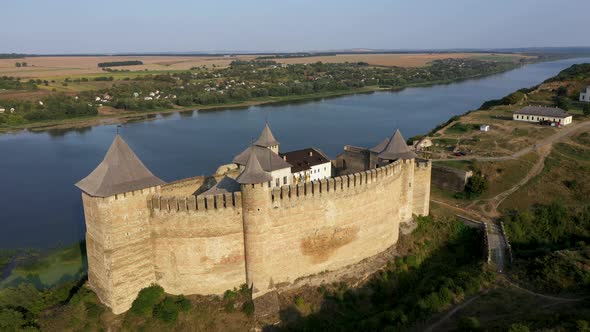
586	109
476	185
167	310
146	300
11	320
518	328
183	303
248	308
469	324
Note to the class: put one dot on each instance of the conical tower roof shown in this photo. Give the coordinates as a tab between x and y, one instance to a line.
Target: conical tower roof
253	173
266	138
120	171
225	186
396	148
379	147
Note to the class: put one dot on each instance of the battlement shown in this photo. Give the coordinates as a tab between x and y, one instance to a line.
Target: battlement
337	184
129	194
173	204
422	163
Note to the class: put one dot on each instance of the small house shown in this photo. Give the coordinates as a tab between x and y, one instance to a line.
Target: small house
2	110
484	127
585	95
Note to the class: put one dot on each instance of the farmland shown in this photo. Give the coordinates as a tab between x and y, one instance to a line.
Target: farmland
52	67
43	90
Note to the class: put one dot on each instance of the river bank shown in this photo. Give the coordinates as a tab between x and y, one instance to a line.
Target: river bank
122	117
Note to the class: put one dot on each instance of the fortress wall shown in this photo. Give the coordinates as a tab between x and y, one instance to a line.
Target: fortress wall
326	225
119	246
448	178
198	243
421	200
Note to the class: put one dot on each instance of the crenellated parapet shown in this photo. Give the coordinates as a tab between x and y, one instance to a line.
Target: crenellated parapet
336	185
174	204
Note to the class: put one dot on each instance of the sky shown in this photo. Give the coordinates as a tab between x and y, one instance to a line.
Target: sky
115	26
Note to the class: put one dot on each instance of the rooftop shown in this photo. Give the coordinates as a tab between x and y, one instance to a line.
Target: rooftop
304	159
253	173
269	160
266	138
225	186
543	111
120	171
396	148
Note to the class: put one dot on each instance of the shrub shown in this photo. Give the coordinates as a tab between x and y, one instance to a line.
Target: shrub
167	310
248	308
518	328
146	300
11	320
183	303
586	109
476	185
469	324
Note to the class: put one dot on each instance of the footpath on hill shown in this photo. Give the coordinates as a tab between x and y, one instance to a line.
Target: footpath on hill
488	213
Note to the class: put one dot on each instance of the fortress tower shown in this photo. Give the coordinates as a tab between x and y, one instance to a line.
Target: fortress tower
254	184
117	226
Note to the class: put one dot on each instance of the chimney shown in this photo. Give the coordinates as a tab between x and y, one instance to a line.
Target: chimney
310	153
285	158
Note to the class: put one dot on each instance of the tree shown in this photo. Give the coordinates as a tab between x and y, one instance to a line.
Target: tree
17	64
563	103
586	109
476	185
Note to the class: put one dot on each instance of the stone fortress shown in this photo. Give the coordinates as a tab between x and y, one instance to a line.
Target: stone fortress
266	220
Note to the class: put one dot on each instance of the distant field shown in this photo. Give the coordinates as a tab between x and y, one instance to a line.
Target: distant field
43	67
55	67
400	60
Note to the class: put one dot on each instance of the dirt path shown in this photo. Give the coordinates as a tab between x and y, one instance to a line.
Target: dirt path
496	238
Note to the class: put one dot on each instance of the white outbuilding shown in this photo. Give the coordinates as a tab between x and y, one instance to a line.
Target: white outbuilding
544	115
585	95
484	127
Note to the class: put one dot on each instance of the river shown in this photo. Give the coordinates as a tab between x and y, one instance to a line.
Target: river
41	208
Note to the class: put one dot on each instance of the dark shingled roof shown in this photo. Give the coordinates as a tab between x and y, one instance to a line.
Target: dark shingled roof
553	112
225	186
266	138
379	147
253	172
396	148
302	160
269	160
120	171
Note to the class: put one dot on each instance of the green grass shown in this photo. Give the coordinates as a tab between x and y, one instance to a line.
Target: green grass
465	165
575	152
445	141
461	128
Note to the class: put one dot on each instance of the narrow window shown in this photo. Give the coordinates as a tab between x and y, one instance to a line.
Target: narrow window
284	180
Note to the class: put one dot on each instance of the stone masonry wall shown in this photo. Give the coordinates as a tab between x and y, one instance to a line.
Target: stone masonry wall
119	249
326	225
448	178
198	243
421	186
265	236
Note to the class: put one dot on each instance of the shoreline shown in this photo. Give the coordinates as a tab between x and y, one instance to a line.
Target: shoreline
131	116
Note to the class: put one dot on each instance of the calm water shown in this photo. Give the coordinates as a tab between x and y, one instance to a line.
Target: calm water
40	207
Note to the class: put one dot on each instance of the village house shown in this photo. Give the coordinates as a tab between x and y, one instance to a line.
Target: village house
544	115
308	165
585	95
484	127
2	110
